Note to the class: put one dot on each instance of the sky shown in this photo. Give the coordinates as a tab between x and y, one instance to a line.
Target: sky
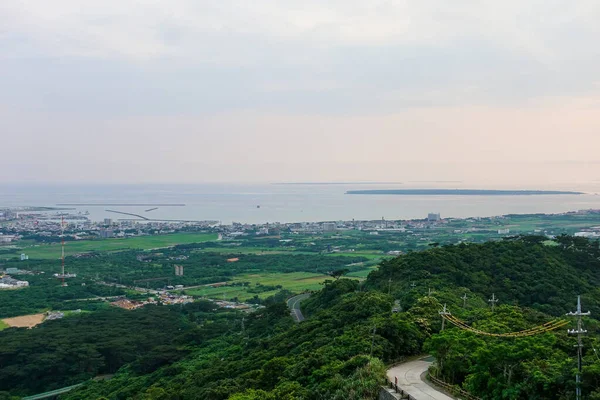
192	91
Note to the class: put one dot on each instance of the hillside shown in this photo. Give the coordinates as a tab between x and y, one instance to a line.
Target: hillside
528	271
351	333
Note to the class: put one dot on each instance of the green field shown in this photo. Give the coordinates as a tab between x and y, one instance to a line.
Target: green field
362	273
295	281
52	251
372	255
3	325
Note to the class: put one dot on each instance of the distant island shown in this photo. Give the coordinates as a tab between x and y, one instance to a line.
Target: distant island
120	205
461	192
337	183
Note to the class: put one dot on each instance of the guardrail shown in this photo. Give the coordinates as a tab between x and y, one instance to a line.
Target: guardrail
452	388
52	393
402	393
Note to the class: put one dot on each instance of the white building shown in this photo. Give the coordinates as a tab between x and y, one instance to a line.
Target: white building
329	227
432	217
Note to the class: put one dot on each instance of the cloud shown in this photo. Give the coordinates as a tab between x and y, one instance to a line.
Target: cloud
141	30
349	83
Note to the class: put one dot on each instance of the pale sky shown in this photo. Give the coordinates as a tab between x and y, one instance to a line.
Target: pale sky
106	91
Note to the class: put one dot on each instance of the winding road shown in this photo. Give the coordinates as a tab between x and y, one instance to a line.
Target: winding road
294	306
409	379
408	374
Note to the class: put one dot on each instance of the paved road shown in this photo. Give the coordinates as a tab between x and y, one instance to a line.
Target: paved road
409	379
53	393
294	306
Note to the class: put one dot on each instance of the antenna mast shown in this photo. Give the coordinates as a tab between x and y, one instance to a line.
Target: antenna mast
579	332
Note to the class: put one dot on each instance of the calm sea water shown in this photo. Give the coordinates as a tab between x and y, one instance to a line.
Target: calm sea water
291	203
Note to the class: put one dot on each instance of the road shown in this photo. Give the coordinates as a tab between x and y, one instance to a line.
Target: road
294	306
409	379
52	393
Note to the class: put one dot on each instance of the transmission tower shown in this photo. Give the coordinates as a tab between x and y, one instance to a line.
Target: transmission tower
464	298
62	244
579	332
493	301
443	313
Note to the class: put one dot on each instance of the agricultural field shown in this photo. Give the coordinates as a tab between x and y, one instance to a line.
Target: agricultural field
53	251
362	274
24	321
3	325
247	286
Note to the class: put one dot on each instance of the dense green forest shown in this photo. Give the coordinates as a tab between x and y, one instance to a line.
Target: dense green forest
350	334
273	358
525	271
535	280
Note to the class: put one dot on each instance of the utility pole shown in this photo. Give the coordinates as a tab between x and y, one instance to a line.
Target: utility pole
464	300
579	332
373	340
443	313
493	301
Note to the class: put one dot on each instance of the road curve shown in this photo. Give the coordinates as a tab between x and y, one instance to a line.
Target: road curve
409	379
294	306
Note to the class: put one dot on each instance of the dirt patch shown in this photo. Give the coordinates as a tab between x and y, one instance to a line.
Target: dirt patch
25	321
315	278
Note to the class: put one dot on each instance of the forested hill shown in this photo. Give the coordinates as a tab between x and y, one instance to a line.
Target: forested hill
353	329
526	271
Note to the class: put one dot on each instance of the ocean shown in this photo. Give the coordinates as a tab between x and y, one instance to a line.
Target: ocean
261	203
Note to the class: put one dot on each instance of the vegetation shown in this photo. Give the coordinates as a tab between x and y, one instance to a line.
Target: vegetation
45	293
253	277
52	251
519	271
261	285
536	282
71	350
350	334
324	357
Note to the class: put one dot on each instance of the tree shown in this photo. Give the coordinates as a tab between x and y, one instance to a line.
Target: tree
338	273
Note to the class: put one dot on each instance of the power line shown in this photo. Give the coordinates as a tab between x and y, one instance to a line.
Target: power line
547	327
